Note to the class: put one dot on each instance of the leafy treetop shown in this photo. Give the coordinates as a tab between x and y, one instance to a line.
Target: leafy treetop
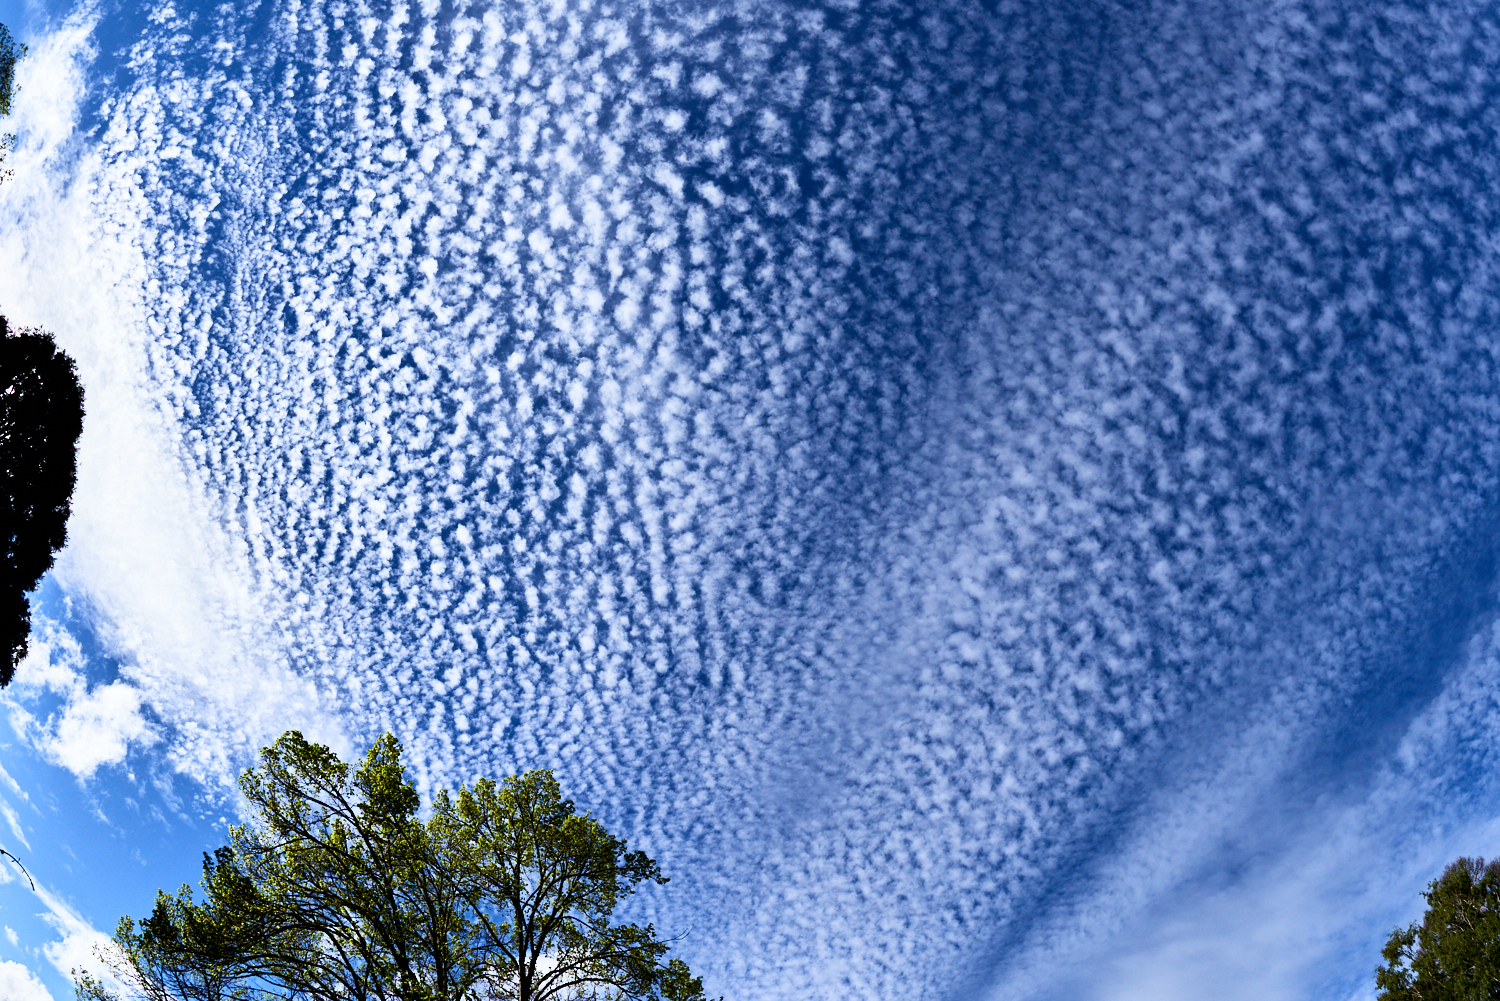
338	891
1453	954
10	53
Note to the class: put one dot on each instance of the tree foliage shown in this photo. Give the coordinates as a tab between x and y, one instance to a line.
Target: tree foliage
41	417
339	891
10	54
1453	954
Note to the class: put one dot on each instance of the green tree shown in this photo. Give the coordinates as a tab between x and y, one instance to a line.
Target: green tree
339	891
41	417
10	54
1453	954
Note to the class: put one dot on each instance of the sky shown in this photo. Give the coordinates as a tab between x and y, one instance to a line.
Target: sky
999	499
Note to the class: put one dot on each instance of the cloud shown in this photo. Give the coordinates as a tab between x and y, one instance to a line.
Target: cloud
17	983
146	562
79	941
97	729
1216	891
95	725
15	787
933	486
13	820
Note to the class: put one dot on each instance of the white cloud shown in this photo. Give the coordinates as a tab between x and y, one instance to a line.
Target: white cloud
956	509
169	595
79	943
17	983
95	726
13	820
98	729
1312	895
15	787
54	661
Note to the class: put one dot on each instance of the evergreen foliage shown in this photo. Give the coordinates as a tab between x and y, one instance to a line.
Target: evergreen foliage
340	892
1454	953
41	417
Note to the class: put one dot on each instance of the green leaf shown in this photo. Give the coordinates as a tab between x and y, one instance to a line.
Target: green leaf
337	889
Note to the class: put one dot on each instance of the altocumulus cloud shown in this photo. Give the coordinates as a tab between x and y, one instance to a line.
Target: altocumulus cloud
154	577
936	478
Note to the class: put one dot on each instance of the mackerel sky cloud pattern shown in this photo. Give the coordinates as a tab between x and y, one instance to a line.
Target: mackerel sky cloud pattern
952	480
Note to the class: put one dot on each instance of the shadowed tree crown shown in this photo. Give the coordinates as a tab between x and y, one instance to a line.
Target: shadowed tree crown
338	891
41	417
1453	954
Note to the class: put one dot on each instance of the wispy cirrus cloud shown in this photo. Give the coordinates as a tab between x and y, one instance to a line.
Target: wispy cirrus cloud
79	943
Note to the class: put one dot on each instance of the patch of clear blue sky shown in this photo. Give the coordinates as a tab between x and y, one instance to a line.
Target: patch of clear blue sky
21	16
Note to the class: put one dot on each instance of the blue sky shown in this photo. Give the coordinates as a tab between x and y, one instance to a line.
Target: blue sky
1000	502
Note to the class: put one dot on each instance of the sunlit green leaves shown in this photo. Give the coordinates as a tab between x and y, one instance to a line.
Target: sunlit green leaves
339	890
10	53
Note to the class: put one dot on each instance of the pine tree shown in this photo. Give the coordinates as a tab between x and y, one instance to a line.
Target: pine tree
1453	954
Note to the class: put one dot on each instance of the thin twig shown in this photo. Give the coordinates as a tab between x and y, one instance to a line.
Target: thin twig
21	867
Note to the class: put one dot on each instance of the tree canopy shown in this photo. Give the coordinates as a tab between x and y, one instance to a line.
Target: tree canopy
10	53
1453	953
338	891
41	417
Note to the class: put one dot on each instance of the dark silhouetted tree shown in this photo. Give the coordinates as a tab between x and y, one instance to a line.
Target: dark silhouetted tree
41	417
339	891
1454	953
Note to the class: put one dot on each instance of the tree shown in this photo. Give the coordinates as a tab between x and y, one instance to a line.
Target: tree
41	417
1454	953
10	53
338	891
